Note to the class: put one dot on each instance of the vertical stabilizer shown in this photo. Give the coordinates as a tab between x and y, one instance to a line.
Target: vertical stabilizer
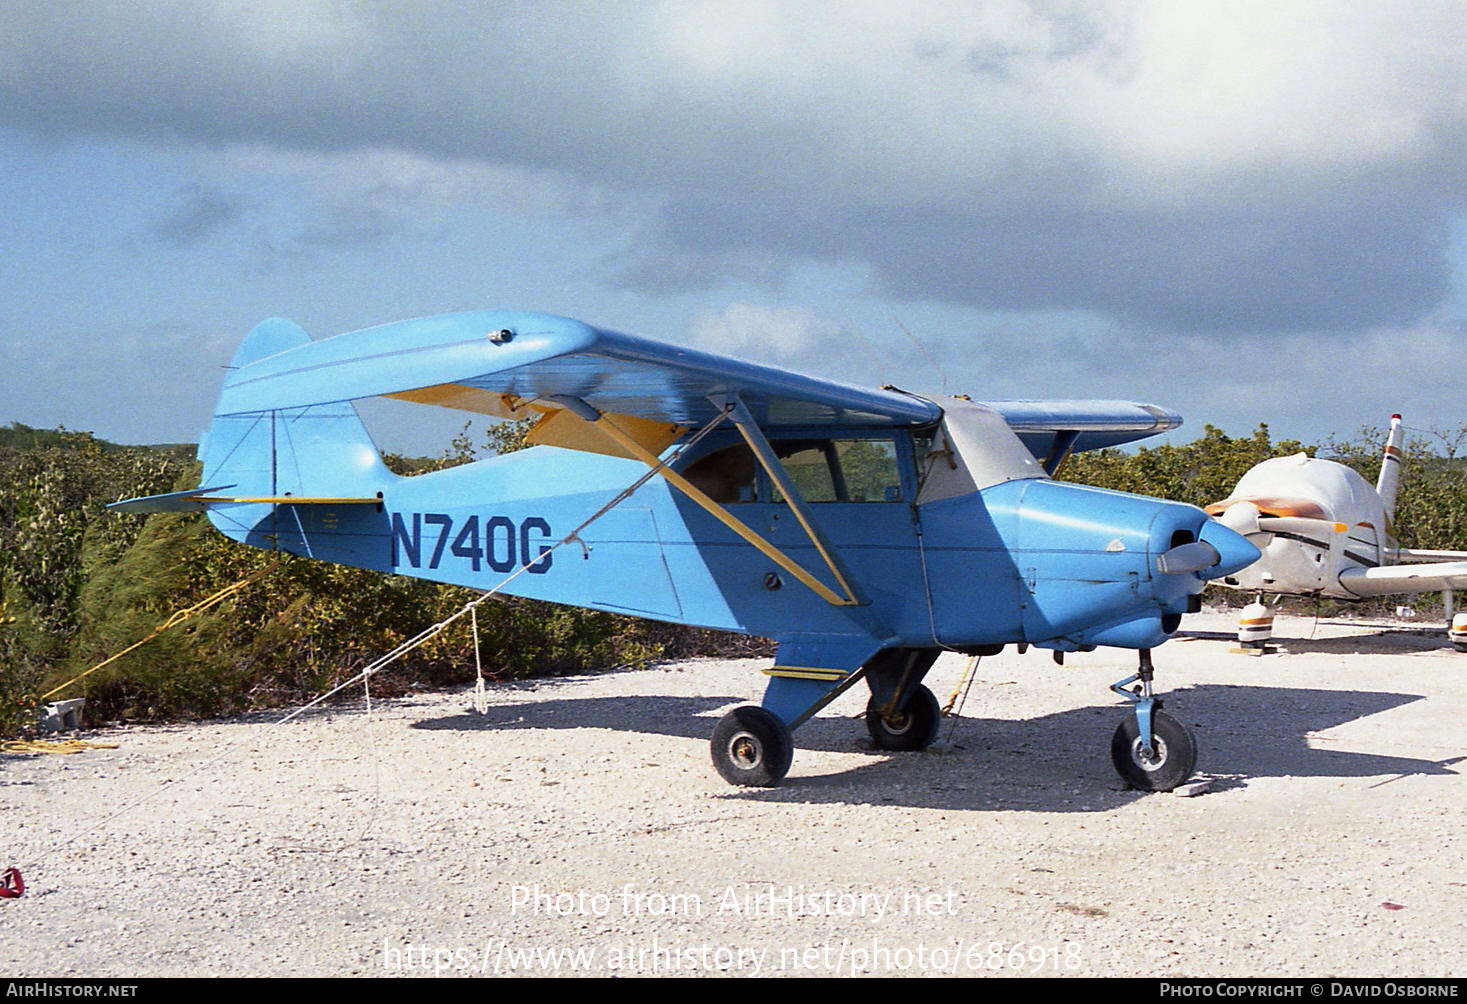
1390	467
313	451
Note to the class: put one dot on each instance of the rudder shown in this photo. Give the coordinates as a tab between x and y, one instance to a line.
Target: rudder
1390	467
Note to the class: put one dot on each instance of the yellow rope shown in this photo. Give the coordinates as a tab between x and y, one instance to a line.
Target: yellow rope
947	709
52	746
177	618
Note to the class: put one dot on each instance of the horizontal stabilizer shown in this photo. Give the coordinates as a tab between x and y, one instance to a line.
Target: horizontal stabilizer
199	499
193	500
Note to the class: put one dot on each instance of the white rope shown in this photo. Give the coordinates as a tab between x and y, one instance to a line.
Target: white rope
481	696
382	662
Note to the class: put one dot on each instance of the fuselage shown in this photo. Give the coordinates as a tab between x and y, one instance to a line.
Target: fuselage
945	539
1315	520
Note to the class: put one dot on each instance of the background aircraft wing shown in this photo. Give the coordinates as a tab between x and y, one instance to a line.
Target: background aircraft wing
1052	430
1390	579
1415	555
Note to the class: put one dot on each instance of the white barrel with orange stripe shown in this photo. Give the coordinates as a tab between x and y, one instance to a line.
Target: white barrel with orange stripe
1255	625
1458	632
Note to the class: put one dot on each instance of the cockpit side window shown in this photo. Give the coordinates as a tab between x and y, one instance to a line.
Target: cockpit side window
841	470
808	464
853	469
869	469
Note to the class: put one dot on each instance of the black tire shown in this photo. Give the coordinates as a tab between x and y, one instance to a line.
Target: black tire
752	748
1174	748
914	728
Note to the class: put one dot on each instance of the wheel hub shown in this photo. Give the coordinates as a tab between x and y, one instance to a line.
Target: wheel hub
898	723
1157	758
744	750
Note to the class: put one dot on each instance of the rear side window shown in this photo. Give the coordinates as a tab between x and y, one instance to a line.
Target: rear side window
726	475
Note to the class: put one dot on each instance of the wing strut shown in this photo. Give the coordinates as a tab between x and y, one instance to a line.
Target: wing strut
1059	451
754	436
607	425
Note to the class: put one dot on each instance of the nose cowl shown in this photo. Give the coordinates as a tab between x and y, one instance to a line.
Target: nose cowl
1233	549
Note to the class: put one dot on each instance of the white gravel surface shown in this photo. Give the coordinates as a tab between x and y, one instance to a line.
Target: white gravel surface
579	827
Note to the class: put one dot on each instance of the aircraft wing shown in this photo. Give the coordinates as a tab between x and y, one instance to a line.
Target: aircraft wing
1082	425
501	362
1052	430
516	364
1416	556
1390	579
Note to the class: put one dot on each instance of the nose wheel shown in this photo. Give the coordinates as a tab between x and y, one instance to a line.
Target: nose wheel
1161	765
1151	750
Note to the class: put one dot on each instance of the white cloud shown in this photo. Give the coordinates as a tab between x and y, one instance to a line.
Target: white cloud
1205	165
750	331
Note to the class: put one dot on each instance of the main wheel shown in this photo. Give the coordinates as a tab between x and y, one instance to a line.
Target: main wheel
913	728
1173	753
752	748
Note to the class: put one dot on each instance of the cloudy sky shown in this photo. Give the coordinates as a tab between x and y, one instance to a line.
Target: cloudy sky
1245	211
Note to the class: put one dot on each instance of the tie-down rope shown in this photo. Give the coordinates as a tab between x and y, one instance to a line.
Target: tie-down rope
401	650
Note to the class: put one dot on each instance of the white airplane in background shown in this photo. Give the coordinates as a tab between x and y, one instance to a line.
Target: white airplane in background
1324	532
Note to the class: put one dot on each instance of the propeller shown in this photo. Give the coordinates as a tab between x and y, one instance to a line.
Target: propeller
1193	557
1221	551
1240	517
1300	524
1244	517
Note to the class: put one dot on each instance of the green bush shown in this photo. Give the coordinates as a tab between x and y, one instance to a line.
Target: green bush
78	584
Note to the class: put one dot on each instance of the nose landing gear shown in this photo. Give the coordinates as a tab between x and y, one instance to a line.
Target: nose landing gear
1151	750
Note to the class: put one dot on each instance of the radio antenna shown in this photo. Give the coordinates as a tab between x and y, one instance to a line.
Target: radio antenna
941	376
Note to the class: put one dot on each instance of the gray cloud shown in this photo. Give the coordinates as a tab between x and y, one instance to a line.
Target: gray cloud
199	214
1252	167
349	225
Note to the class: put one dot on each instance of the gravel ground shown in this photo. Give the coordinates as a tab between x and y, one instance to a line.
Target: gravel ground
579	827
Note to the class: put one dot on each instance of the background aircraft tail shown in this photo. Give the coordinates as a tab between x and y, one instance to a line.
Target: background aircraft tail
315	451
1390	467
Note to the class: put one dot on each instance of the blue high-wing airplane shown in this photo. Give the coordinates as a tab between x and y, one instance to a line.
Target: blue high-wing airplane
866	531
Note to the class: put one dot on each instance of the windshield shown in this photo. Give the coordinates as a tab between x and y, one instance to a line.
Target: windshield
974	448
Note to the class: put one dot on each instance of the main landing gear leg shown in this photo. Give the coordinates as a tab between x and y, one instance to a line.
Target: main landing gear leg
1151	750
902	713
752	746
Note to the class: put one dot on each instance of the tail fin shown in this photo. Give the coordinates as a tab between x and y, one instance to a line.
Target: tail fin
1390	467
315	451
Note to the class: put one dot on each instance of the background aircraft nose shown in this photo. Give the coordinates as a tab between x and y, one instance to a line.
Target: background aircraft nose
1233	549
